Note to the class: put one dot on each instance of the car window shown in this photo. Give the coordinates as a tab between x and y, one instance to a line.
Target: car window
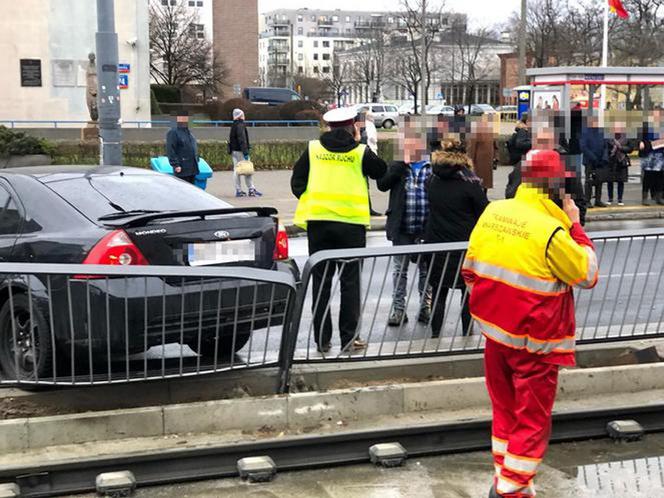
378	108
10	218
391	108
94	196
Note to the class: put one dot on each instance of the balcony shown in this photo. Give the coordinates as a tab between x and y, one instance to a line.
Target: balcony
278	49
277	60
325	22
279	23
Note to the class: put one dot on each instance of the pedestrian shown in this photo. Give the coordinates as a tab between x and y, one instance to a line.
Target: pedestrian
239	147
652	164
520	142
329	179
596	161
523	259
369	137
456	202
482	150
545	139
182	149
407	214
619	162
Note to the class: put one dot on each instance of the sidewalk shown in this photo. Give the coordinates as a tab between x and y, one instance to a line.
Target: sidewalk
275	186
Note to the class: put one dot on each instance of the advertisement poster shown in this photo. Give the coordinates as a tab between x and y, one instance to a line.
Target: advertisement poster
547	99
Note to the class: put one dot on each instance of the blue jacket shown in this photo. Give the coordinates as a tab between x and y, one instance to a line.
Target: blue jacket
182	150
594	148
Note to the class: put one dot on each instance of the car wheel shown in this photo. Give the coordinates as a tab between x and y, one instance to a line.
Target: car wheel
225	347
25	343
388	124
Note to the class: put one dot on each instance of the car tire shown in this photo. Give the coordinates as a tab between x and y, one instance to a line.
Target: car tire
21	364
225	347
388	124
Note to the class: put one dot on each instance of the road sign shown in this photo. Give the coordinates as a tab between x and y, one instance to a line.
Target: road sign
124	68
123	81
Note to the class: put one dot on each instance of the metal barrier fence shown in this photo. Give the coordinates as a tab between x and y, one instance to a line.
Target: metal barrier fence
84	324
623	306
59	326
17	123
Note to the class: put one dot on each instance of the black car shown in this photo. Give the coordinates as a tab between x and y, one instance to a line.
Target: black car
128	216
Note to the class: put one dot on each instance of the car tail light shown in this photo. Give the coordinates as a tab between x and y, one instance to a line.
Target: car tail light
281	244
116	248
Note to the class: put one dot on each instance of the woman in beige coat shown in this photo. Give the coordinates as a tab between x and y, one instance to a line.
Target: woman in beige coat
482	150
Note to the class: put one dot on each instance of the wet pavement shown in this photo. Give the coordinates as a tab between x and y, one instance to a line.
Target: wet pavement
592	469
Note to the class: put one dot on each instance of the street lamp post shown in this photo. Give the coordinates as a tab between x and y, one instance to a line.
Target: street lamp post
108	94
522	42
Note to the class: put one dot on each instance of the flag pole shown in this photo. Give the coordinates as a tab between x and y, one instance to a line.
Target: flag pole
605	59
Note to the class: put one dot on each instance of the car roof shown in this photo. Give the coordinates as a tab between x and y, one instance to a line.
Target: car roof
44	174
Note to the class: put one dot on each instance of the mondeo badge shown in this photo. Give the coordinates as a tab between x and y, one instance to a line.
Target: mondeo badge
222	234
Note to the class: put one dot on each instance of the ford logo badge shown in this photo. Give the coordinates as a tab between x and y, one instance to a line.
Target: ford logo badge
222	234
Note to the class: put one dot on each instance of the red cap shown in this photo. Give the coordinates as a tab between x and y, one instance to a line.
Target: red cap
540	164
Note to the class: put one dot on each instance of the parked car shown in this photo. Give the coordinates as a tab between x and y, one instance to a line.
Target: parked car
407	109
128	216
479	109
440	110
385	115
270	96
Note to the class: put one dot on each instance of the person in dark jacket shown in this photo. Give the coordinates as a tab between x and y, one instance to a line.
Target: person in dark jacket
239	146
545	140
329	179
619	163
520	142
182	149
456	202
652	161
406	218
596	161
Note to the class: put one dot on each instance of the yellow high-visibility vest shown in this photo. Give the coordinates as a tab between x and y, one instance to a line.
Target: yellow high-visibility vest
337	189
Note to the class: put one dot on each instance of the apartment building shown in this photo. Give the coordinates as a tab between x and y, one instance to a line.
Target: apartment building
304	42
202	9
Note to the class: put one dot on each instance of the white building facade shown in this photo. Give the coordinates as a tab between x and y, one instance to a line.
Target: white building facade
203	11
304	42
45	47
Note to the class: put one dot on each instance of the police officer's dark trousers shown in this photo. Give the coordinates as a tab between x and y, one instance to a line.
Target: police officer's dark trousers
324	235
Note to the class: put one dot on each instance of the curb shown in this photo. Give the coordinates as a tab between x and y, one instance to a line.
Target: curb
301	411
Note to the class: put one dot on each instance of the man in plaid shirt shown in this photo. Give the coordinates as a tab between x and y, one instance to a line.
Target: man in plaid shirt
407	215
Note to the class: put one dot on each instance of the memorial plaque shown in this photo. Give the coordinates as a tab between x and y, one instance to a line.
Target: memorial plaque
65	72
31	73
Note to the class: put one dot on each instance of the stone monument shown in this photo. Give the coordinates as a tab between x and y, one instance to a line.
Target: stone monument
91	131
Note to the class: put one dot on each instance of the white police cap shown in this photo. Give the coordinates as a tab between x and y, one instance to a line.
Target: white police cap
340	116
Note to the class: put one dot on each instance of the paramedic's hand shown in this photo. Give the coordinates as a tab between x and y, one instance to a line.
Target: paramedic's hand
178	169
571	209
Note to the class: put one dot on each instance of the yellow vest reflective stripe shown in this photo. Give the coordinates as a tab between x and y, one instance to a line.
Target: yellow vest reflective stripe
337	189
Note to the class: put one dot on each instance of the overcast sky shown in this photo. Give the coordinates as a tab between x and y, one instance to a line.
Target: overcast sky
480	12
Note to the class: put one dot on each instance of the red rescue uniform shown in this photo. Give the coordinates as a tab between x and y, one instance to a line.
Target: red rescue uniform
524	258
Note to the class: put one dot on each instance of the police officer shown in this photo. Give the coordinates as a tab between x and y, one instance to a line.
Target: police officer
330	182
182	149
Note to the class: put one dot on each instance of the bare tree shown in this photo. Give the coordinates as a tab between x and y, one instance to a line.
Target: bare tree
338	79
404	71
421	19
639	40
369	67
474	64
179	55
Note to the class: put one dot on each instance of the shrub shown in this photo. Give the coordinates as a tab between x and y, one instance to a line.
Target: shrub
14	143
166	93
264	113
309	115
288	111
223	111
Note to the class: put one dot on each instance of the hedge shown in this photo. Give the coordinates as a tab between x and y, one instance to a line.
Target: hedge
266	156
17	143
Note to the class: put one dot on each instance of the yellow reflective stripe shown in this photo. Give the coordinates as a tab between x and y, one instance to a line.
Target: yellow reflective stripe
536	346
521	465
498	468
506	485
515	279
498	446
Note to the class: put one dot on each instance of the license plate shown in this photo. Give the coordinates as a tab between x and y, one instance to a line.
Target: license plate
215	253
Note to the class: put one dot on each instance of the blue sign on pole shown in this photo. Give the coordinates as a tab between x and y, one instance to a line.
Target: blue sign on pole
524	102
124	68
123	81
